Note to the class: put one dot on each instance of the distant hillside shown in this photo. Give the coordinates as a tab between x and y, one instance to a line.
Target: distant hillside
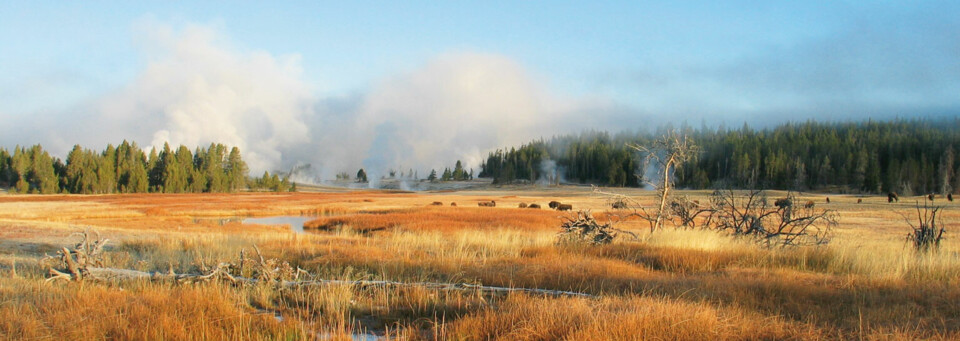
905	156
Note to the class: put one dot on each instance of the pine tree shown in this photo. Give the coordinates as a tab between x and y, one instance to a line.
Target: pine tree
236	170
361	175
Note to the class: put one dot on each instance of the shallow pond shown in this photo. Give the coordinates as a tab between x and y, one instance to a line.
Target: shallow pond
295	222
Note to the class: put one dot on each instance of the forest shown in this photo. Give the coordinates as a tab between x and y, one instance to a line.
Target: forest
128	169
906	156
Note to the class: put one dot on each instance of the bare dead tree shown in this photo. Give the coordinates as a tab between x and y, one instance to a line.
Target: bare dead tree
668	154
748	214
928	232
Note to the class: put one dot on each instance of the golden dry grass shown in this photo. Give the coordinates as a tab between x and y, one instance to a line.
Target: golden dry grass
674	284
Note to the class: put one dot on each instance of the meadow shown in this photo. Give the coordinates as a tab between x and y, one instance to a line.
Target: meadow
673	284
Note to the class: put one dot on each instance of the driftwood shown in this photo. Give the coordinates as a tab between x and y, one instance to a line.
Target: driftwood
113	274
585	229
85	262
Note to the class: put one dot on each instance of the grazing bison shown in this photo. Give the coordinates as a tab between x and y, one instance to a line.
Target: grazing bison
536	206
930	196
554	204
436	203
828	200
564	207
453	204
619	204
490	203
809	204
523	205
892	196
859	200
783	203
950	197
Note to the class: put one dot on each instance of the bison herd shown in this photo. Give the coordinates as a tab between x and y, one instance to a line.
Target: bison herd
553	204
781	203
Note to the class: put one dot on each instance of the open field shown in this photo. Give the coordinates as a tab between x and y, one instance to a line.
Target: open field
673	284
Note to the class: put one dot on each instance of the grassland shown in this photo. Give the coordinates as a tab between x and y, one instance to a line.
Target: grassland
673	284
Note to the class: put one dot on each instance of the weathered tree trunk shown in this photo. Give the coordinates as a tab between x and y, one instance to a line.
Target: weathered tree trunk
114	274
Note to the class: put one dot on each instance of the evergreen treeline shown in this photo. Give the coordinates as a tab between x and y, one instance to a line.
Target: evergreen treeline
905	156
127	169
457	174
593	157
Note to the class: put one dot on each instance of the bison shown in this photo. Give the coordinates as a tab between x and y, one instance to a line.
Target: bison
950	197
453	204
809	204
522	205
859	200
783	203
619	204
436	203
564	207
554	204
892	196
490	203
828	200
536	206
930	196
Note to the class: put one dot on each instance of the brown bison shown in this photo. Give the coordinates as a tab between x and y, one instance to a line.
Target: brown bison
828	200
892	196
809	204
619	204
783	203
490	203
564	207
522	205
950	197
453	204
859	200
930	196
536	206
554	204
436	203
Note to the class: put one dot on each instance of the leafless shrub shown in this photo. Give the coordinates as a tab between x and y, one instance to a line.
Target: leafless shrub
929	230
686	211
748	214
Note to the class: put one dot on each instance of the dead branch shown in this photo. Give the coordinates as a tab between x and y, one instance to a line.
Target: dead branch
585	229
84	263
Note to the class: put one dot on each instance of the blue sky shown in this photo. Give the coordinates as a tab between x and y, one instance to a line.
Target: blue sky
620	64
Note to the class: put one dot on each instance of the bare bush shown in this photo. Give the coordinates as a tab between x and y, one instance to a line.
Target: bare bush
748	214
686	211
929	230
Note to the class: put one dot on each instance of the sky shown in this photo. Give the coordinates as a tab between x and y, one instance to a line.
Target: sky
421	84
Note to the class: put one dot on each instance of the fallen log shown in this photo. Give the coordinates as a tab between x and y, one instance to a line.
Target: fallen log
115	275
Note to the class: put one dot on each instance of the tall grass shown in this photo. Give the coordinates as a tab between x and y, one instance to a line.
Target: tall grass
674	284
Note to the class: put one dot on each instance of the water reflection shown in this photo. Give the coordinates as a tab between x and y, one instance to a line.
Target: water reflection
295	222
